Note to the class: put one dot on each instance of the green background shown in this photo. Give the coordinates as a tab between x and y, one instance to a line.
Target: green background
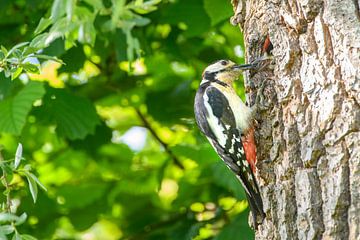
90	127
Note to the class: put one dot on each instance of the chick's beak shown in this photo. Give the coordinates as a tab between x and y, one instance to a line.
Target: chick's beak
243	67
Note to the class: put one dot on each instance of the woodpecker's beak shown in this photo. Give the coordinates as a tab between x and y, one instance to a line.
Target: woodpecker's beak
243	67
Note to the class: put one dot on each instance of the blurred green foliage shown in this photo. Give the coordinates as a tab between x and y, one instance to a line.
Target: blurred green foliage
110	131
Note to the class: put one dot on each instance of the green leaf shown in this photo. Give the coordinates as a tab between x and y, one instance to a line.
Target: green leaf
6	229
13	111
218	10
87	33
58	10
69	8
17	46
32	186
190	12
21	219
75	116
29	50
43	24
97	4
31	68
28	237
18	155
33	177
7	169
39	41
144	7
17	72
46	57
8	217
16	236
2	55
82	196
4	50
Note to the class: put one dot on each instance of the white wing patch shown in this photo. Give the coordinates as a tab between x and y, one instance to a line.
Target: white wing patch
214	123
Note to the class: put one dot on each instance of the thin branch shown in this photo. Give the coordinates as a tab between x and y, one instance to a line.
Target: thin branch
6	185
156	136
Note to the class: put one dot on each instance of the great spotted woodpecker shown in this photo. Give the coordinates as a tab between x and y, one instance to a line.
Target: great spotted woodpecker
228	125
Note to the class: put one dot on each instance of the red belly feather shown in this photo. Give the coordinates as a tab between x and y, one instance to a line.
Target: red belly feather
248	142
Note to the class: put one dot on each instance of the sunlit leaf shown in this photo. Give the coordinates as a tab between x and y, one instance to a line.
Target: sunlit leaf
17	72
31	68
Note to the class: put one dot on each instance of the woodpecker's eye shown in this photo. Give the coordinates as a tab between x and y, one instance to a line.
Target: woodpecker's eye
224	62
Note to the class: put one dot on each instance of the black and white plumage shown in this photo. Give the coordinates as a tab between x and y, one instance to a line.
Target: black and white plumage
224	119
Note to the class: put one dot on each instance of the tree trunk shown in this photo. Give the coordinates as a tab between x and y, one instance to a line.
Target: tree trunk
308	138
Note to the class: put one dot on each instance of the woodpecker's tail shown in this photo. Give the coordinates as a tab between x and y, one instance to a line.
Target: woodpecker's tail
256	207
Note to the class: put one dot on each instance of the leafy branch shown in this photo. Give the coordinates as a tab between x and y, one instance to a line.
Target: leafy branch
8	219
17	60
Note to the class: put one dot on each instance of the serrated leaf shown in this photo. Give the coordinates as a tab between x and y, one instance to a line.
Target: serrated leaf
32	186
13	111
75	116
18	155
43	24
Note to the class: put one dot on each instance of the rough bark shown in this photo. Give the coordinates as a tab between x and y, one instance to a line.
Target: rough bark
308	134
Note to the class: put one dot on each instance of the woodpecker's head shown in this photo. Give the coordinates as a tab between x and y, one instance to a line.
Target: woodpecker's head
224	71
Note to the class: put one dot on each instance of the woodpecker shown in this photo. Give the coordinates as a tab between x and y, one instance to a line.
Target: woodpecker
228	125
